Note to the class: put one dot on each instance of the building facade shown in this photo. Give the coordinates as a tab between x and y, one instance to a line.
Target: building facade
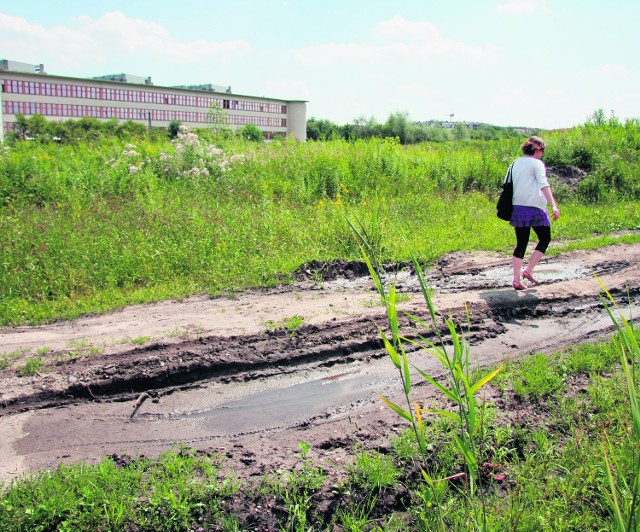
27	90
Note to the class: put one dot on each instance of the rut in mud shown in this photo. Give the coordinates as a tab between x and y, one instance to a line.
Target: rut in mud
240	378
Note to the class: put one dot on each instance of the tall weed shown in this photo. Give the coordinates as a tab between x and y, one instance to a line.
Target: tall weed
624	484
459	388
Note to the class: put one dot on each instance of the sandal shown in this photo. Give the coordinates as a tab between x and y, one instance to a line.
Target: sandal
530	277
518	286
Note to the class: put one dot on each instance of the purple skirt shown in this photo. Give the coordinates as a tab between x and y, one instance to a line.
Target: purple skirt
529	217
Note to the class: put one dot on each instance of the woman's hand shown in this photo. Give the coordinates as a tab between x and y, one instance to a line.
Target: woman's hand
546	192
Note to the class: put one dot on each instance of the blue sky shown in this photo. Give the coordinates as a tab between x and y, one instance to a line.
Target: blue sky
546	64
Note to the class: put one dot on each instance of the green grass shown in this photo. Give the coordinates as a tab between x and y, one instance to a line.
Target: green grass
374	471
72	261
163	494
291	324
31	366
81	231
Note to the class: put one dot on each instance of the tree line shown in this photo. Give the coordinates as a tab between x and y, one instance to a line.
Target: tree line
400	126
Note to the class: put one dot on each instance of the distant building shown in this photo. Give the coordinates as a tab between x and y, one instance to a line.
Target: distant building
26	89
205	87
126	78
17	66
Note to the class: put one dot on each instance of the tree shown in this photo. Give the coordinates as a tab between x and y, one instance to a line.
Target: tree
597	118
34	127
21	127
251	132
217	117
174	128
461	132
321	129
397	125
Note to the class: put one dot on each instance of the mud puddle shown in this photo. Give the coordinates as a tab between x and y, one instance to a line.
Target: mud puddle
275	408
277	403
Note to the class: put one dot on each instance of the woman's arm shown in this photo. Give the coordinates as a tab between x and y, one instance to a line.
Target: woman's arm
551	201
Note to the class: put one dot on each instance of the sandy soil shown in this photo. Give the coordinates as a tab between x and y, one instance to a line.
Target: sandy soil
228	375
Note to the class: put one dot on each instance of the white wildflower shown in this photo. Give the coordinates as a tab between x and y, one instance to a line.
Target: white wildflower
213	151
196	172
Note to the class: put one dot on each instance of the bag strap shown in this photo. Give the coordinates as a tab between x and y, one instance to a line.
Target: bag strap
509	178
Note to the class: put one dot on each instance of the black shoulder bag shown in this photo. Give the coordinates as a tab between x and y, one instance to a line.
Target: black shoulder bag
505	202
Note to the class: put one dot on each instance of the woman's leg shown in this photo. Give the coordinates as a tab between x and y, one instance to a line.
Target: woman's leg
522	240
544	238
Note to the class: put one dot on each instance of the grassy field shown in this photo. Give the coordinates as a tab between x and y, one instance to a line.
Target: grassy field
90	227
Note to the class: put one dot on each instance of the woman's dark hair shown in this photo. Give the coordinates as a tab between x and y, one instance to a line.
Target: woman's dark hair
530	146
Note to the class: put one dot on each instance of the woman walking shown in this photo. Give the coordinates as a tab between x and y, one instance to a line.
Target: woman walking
531	195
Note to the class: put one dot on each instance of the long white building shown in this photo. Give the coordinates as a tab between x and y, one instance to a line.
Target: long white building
26	89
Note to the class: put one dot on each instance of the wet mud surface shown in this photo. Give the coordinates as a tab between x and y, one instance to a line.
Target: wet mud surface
253	374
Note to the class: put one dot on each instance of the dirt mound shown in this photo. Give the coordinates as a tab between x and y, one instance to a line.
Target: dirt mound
330	270
342	269
568	175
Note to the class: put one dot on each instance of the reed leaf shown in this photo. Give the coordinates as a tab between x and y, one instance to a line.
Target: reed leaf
448	393
405	371
613	495
426	292
391	350
444	413
429	346
397	409
485	380
470	403
469	458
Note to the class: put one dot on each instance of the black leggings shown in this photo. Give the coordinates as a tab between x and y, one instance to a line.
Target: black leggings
522	239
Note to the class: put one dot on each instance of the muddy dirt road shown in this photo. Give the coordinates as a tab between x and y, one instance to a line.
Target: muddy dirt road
254	374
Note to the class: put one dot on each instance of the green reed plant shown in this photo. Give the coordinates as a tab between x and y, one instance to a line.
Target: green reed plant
461	390
624	494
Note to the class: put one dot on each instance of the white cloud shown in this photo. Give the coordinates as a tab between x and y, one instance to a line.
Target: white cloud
613	71
523	7
413	43
399	28
113	35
